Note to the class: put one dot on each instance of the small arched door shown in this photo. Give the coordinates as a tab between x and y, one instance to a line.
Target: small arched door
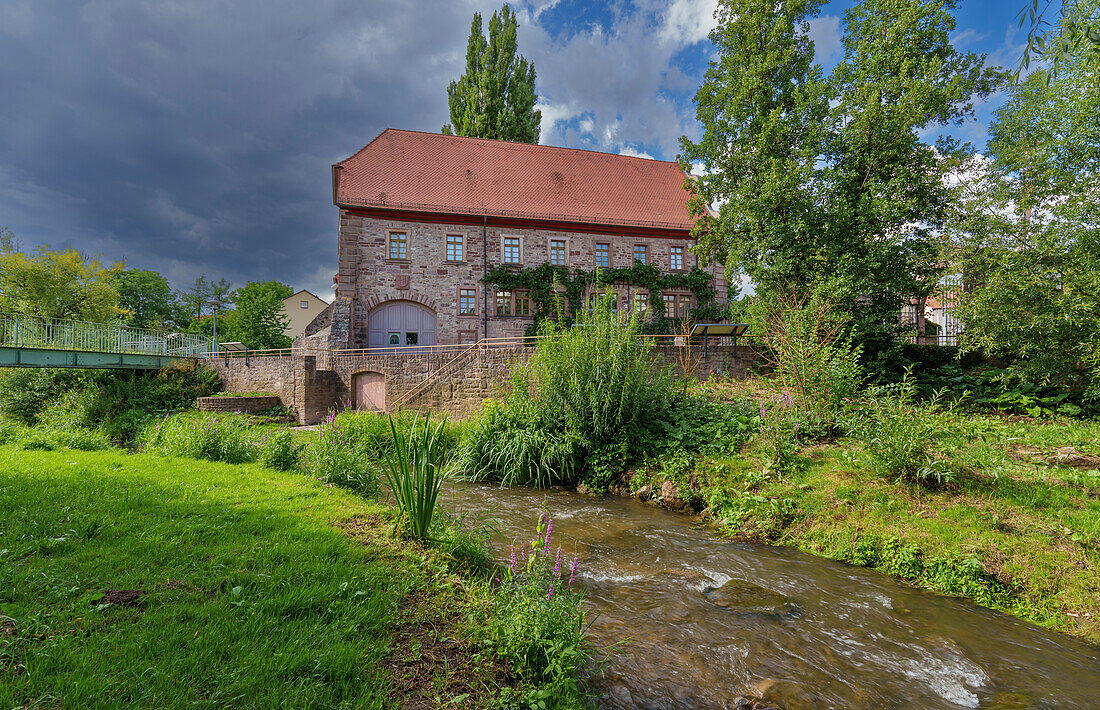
369	389
400	324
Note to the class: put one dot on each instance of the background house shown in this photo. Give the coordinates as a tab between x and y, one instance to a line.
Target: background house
301	308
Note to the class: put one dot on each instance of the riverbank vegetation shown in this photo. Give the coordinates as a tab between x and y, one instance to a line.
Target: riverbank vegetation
239	563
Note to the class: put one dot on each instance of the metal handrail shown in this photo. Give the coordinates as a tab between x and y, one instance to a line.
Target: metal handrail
38	332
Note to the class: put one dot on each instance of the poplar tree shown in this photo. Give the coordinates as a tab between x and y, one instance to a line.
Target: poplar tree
495	98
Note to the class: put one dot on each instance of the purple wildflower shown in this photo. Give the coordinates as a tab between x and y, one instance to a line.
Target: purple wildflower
550	594
549	529
512	566
573	571
557	563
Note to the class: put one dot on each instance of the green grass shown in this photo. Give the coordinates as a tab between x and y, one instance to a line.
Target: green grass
1016	531
255	595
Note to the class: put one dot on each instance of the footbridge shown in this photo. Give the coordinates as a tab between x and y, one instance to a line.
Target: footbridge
32	341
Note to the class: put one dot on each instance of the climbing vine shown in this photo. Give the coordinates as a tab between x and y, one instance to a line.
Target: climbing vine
544	285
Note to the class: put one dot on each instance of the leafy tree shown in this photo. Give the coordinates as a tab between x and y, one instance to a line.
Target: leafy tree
1025	236
194	301
495	98
260	320
57	284
145	299
820	178
1076	28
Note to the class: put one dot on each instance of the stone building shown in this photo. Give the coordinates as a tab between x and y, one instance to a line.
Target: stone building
423	216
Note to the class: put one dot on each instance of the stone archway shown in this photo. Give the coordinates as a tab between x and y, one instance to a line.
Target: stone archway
400	324
369	391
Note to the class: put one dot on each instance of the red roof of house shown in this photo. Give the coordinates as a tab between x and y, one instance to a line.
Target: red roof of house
430	172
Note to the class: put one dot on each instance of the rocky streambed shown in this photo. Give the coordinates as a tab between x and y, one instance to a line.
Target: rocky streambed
696	621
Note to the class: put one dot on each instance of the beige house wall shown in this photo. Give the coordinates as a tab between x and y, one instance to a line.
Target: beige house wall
301	317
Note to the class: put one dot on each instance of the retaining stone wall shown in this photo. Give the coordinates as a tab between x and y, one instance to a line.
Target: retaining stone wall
236	404
312	386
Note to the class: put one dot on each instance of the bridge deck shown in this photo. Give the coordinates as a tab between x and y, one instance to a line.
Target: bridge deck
32	341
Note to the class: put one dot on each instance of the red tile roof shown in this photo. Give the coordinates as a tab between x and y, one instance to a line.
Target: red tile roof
429	172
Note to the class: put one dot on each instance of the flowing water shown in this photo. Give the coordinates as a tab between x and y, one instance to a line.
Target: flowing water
706	620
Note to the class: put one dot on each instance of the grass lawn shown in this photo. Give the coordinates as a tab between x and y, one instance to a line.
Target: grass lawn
1018	531
131	580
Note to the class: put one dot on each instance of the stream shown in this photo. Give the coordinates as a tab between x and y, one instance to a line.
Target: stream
705	619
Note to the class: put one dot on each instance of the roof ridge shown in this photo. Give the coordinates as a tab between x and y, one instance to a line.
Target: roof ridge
498	141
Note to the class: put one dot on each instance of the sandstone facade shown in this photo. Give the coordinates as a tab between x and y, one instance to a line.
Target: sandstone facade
369	278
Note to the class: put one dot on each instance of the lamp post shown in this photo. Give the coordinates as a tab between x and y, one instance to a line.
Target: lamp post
216	303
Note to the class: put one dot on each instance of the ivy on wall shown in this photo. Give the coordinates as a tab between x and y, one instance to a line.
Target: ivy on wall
544	283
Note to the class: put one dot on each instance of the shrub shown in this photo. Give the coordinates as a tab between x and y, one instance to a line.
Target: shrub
414	471
802	334
778	436
581	410
900	436
211	437
25	392
120	403
338	457
537	624
279	450
598	378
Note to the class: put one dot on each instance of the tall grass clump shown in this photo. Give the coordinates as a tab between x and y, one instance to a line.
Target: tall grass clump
340	457
803	336
203	436
414	471
537	623
599	378
579	410
900	435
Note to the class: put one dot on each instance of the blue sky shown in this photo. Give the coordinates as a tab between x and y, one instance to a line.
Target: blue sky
196	137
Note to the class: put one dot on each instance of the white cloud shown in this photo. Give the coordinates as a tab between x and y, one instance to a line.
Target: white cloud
627	150
825	32
609	87
688	22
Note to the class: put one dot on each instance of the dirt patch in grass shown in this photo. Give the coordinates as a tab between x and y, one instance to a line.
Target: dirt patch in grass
1069	456
125	597
431	664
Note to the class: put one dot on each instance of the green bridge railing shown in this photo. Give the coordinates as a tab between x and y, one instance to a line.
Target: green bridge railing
23	331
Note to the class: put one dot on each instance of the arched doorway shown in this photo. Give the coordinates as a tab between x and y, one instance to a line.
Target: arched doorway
400	324
369	391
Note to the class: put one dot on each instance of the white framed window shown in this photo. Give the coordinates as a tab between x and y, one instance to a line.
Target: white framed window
512	249
504	303
557	252
641	303
676	258
455	247
603	255
467	302
303	304
523	303
399	245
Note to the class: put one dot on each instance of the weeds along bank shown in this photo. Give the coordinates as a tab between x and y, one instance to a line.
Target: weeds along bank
116	404
216	558
939	489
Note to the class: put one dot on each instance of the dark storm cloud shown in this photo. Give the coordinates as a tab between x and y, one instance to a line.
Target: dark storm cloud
197	137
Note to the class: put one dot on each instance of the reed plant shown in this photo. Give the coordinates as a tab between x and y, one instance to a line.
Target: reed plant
414	469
